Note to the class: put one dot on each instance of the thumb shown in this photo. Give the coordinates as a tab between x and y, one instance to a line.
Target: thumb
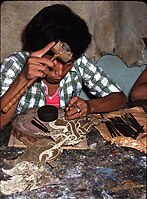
44	50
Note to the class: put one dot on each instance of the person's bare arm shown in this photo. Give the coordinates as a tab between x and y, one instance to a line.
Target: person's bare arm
111	102
139	89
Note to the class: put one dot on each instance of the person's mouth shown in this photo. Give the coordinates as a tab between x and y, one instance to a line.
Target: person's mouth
54	79
57	78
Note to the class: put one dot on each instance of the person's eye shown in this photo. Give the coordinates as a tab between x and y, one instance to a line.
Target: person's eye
69	64
50	68
59	60
65	63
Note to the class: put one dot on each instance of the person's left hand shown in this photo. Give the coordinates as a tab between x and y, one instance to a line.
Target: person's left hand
77	108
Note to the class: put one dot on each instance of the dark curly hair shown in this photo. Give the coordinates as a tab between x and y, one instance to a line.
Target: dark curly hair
57	22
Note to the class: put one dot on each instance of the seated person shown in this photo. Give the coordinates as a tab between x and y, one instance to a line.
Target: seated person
58	83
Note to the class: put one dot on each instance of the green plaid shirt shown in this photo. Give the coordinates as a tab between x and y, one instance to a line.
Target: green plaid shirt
82	72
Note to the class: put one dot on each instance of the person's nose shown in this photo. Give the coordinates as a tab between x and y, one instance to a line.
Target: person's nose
59	69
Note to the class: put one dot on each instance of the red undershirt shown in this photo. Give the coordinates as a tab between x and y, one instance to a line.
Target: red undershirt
54	99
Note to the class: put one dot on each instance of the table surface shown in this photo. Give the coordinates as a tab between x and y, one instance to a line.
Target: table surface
103	171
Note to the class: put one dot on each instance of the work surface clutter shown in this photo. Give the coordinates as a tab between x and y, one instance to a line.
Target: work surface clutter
94	164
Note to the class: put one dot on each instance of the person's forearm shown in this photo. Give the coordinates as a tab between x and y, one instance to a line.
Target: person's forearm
109	103
139	93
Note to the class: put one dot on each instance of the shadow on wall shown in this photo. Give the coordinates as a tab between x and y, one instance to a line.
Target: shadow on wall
124	76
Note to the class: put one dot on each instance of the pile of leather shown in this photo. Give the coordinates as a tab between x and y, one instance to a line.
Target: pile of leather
126	127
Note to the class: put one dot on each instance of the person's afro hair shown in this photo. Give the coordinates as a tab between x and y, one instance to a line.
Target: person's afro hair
57	22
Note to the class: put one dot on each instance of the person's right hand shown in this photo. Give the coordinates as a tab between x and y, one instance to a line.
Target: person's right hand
36	65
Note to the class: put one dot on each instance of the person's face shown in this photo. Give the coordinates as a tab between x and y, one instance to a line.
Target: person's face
58	71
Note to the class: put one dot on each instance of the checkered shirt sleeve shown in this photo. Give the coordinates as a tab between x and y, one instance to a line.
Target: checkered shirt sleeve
84	71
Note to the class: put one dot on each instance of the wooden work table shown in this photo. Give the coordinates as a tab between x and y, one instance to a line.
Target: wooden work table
101	171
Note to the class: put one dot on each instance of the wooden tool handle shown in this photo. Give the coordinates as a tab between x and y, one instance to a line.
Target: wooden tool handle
18	95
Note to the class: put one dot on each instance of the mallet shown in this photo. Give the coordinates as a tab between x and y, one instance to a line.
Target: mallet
62	51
